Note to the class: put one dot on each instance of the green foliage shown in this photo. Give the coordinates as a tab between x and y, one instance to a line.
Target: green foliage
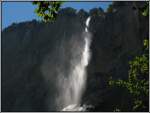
146	10
47	10
137	83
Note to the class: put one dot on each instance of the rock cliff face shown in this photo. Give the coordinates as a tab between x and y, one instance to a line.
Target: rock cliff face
117	38
29	81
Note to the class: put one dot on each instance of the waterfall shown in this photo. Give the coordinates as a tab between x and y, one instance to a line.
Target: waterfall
74	85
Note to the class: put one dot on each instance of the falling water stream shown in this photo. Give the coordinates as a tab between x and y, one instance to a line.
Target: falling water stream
77	78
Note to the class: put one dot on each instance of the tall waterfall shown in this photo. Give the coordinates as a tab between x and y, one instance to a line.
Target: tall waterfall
74	85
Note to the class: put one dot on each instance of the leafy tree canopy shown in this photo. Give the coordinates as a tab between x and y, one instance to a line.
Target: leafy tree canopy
47	10
137	83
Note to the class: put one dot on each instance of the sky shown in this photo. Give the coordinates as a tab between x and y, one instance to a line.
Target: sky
15	12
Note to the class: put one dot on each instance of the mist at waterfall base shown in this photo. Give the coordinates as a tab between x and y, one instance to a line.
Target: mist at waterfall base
71	71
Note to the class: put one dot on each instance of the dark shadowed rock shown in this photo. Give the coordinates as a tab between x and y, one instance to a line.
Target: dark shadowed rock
117	38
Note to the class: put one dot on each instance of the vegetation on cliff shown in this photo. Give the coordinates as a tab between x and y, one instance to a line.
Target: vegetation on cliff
47	10
137	83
